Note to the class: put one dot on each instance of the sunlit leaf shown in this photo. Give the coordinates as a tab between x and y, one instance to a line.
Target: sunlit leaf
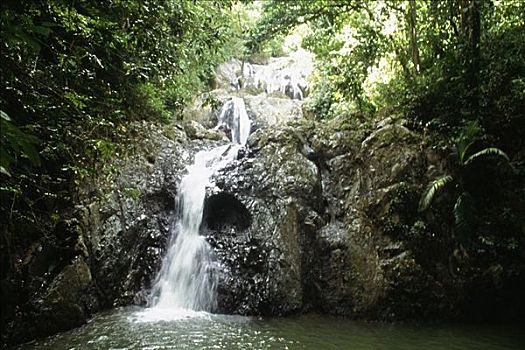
431	190
488	152
4	116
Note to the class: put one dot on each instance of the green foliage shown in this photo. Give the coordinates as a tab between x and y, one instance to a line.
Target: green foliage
15	144
244	15
432	189
470	68
488	152
441	63
470	134
465	205
76	74
453	69
466	139
346	38
464	217
270	48
132	192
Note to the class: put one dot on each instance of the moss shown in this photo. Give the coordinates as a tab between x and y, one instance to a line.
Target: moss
278	94
171	132
132	192
251	90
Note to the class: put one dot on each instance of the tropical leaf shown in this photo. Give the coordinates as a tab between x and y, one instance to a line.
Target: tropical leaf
4	171
4	116
431	190
16	142
488	152
463	209
5	160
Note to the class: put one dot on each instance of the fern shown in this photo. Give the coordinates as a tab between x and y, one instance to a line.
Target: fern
431	190
488	152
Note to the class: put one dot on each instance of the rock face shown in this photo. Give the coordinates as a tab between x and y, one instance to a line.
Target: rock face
264	111
272	92
292	230
309	216
127	227
311	235
262	259
109	251
62	305
373	194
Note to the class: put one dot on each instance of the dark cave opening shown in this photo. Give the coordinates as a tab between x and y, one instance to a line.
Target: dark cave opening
226	214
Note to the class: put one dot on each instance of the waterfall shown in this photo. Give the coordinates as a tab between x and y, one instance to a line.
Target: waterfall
186	283
287	75
234	117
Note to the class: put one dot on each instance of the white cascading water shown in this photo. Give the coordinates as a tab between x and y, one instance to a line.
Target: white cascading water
287	75
186	283
234	117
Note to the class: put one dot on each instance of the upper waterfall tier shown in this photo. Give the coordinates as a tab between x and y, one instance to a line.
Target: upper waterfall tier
288	75
234	117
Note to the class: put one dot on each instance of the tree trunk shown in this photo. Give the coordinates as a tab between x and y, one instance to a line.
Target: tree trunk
412	21
474	64
471	37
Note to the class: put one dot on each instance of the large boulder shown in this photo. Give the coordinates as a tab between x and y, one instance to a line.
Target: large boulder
371	187
227	74
261	256
63	304
267	111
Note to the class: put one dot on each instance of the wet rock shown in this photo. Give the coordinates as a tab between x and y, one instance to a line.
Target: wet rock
272	92
327	232
333	269
227	75
272	111
262	263
206	107
63	305
264	111
309	216
292	231
126	229
194	130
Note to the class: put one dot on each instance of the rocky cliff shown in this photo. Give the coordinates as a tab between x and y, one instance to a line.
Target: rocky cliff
310	216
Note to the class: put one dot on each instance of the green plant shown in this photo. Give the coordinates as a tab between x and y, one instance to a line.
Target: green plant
132	192
15	143
464	207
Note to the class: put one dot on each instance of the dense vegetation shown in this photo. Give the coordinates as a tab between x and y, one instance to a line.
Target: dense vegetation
76	76
444	66
451	70
441	62
79	76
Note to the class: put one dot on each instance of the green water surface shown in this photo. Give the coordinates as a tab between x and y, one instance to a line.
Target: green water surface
120	330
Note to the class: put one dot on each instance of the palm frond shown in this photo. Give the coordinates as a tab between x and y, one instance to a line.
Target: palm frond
488	152
431	190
